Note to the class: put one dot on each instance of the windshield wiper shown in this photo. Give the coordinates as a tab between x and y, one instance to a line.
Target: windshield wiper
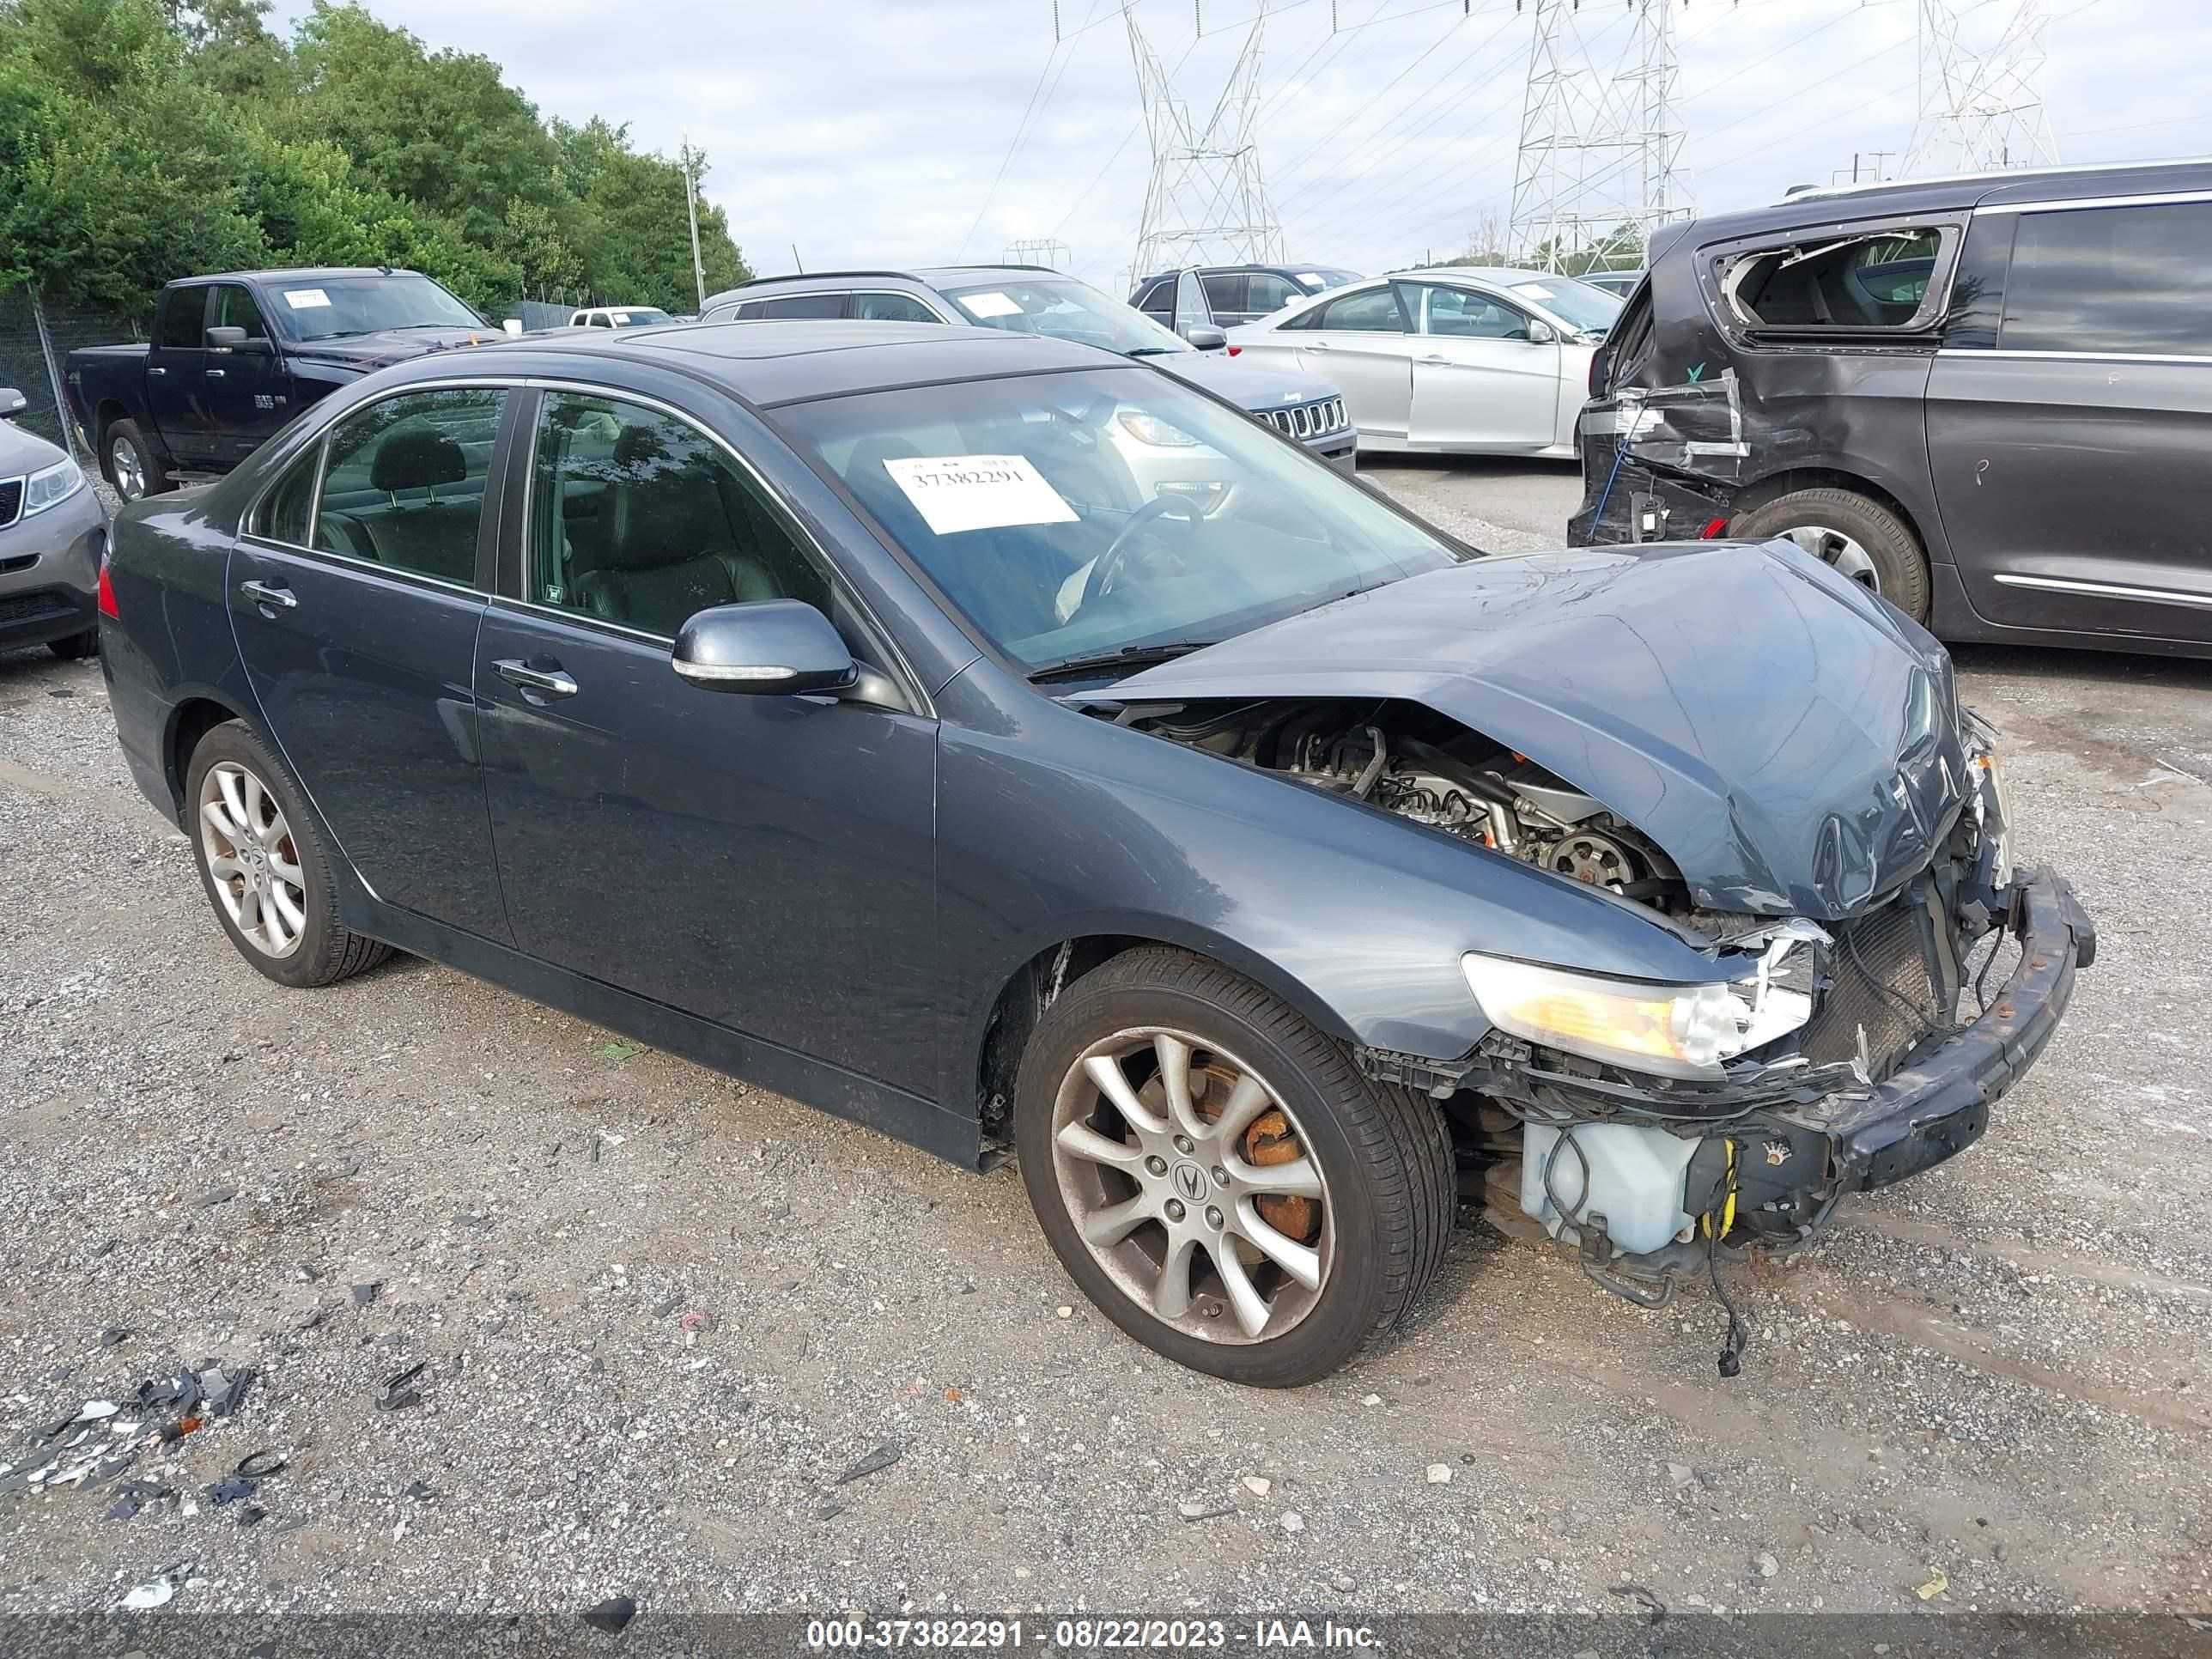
1128	656
1153	351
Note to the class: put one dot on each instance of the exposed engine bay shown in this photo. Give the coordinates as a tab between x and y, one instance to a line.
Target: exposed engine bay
1644	1166
1423	766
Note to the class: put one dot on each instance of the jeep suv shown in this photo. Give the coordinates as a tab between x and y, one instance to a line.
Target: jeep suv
1033	299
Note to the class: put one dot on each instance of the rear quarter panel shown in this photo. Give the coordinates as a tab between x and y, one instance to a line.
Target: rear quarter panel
170	642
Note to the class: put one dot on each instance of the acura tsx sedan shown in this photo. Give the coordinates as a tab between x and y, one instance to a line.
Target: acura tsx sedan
1268	871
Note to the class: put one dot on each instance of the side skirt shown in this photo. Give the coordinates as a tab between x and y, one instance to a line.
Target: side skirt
951	1136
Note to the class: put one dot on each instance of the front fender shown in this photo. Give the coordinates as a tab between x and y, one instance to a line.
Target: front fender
1061	826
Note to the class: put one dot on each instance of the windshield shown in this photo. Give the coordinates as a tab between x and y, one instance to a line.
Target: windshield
1077	515
1579	305
330	307
639	316
1067	310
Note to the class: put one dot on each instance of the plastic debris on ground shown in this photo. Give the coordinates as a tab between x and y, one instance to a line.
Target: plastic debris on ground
398	1391
611	1614
103	1438
874	1463
146	1597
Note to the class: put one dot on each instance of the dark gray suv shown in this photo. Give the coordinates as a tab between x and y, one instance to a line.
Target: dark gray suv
1036	300
1987	398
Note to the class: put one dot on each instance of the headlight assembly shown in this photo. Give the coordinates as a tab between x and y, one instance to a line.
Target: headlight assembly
1149	428
51	487
1673	1030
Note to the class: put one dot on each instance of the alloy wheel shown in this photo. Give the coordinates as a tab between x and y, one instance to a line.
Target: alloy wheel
124	466
1192	1185
1832	547
253	860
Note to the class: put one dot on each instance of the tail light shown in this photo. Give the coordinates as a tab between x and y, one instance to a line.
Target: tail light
1714	530
107	592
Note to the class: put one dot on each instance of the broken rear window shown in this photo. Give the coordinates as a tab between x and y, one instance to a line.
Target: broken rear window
1872	280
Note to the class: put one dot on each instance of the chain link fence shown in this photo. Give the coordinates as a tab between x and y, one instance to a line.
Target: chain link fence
36	336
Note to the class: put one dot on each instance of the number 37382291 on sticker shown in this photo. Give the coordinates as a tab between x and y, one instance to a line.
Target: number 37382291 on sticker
954	493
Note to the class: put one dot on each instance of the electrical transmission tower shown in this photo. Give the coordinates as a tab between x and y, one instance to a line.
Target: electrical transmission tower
1981	89
1206	203
1598	134
1038	251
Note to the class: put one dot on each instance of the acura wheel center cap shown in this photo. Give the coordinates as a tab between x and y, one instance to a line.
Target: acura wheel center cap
1189	1181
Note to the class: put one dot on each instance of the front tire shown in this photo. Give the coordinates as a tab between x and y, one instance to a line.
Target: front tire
1219	1178
1859	537
266	865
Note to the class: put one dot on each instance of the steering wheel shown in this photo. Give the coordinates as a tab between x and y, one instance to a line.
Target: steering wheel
1109	562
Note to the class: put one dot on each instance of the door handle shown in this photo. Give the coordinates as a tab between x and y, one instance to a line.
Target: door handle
273	593
215	374
1316	345
1435	362
545	682
155	368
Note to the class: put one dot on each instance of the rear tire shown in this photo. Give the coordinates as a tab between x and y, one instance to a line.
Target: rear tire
1856	535
1271	1108
132	465
76	647
265	863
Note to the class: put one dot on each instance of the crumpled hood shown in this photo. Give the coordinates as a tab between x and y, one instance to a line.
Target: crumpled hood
1248	385
1790	741
394	345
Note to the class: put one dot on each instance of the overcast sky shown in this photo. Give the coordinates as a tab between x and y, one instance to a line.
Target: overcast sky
882	132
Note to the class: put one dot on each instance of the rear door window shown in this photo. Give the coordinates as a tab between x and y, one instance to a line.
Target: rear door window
2111	281
1158	302
1374	311
404	486
183	315
1873	280
804	305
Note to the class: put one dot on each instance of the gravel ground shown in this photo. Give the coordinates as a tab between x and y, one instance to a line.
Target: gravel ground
662	1314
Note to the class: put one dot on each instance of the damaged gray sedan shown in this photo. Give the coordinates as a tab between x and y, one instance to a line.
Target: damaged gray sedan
846	707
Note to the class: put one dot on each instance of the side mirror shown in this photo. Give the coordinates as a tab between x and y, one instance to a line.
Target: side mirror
781	646
12	403
1541	333
1205	337
225	337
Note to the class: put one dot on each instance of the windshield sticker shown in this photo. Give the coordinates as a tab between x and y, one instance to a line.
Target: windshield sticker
1534	290
306	299
954	493
1311	278
994	304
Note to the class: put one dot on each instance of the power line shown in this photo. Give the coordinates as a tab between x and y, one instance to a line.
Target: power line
1020	127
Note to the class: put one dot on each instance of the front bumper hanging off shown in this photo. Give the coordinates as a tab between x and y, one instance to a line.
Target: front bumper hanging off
1822	1143
1939	1105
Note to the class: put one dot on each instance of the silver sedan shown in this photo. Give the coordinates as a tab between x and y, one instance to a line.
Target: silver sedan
1451	359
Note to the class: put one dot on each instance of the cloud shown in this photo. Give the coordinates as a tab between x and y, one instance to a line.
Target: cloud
882	132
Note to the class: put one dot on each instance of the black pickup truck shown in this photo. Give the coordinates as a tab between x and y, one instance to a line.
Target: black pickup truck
235	356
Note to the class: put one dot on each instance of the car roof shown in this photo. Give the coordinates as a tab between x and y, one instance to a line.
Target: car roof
927	275
298	274
1954	193
767	363
1499	274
